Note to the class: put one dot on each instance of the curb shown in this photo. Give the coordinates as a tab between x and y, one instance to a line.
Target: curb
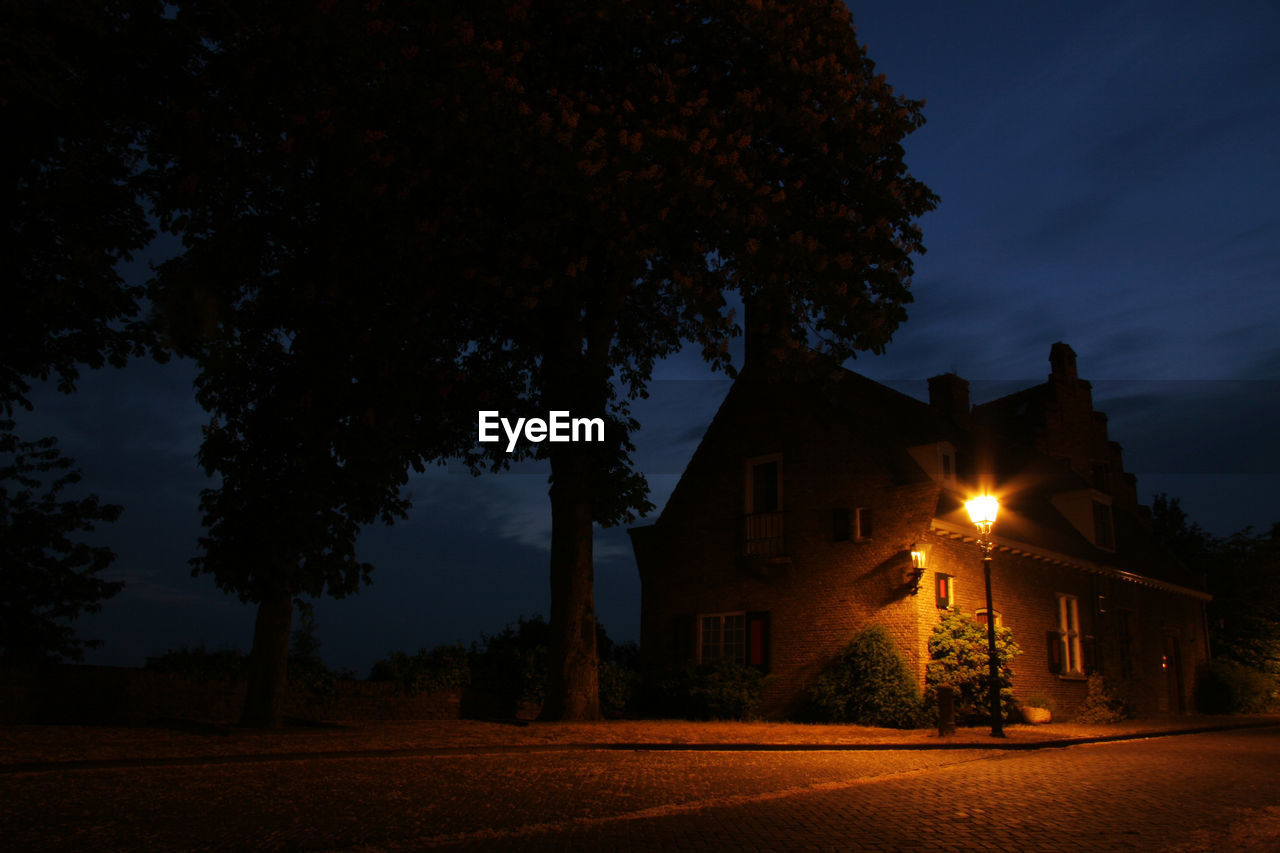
265	758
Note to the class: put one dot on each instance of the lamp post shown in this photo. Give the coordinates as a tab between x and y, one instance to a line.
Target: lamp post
982	512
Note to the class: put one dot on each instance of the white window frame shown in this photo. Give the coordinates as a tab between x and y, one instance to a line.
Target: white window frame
859	534
982	611
1072	654
740	654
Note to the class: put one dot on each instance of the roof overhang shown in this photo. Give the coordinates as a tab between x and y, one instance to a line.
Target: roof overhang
966	533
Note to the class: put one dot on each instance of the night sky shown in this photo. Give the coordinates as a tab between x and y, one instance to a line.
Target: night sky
1107	174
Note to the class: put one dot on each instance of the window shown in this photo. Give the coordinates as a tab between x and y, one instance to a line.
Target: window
981	617
841	524
944	585
722	635
1103	532
1069	656
764	484
863	517
947	464
763	534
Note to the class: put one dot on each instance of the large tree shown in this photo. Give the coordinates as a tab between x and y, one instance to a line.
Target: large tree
298	165
632	164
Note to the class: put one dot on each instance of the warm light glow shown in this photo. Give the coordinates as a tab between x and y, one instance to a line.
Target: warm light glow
918	559
982	511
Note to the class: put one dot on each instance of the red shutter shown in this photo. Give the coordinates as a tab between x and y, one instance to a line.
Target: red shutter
1055	652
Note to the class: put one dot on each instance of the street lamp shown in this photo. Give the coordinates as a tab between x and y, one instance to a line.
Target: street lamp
982	512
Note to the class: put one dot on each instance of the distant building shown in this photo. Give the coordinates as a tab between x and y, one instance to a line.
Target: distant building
819	502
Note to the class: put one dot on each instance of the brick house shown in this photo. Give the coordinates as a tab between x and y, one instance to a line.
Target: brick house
819	502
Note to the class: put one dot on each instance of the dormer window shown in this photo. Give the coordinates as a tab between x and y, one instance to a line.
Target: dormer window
947	464
938	460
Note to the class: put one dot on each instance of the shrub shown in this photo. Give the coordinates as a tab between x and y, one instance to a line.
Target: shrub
617	689
512	664
959	656
445	667
721	690
1101	705
307	672
201	664
1228	687
868	684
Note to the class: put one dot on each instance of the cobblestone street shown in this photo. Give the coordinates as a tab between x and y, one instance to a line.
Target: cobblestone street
1198	792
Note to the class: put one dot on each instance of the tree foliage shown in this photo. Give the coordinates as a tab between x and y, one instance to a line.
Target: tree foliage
868	684
79	80
959	656
48	576
1243	575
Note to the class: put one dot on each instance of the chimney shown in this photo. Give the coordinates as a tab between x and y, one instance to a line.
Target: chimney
949	396
1062	362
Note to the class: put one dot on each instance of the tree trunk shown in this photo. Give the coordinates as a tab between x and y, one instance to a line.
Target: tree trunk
573	688
268	663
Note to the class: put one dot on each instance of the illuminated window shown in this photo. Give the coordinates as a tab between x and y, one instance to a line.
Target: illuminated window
722	635
981	618
1069	654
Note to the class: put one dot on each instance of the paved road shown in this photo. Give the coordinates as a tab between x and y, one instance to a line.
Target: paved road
1209	792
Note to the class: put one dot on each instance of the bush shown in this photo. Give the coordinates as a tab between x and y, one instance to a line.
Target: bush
1101	705
200	664
722	690
868	684
445	667
1228	687
959	656
512	664
617	689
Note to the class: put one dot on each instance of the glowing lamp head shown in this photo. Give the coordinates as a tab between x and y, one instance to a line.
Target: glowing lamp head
982	512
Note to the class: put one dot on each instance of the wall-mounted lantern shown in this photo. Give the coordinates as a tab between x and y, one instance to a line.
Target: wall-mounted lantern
919	562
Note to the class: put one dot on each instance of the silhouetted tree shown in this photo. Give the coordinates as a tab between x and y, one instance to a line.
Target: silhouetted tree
313	291
77	89
629	165
47	577
1243	575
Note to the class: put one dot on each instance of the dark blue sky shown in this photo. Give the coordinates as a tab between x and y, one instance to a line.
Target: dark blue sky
1108	175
